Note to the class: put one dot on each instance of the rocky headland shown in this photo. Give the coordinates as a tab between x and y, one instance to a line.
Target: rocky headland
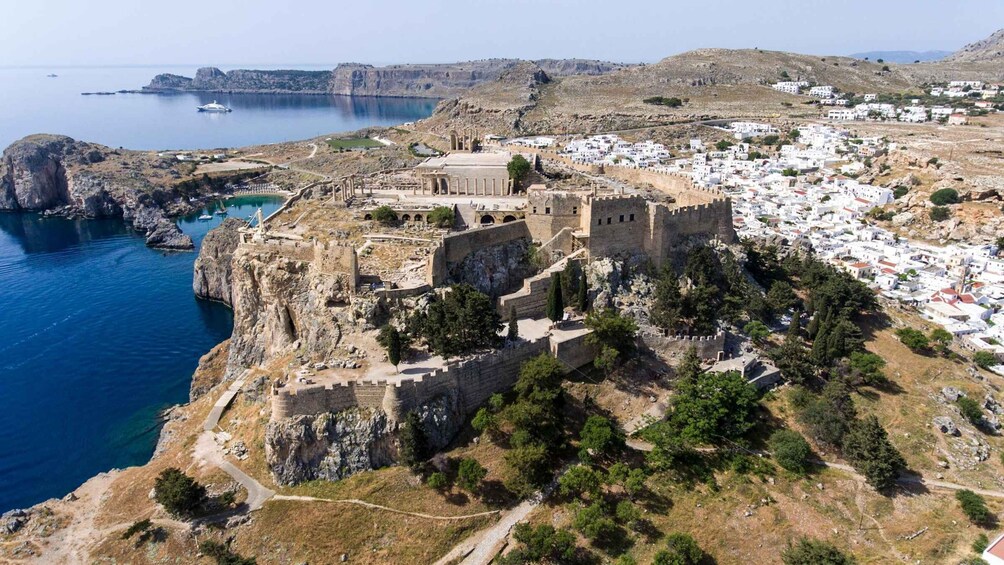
57	175
353	79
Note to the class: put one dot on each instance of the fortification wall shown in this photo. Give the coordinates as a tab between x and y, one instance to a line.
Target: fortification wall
674	347
558	247
530	301
575	352
473	380
550	212
619	224
330	258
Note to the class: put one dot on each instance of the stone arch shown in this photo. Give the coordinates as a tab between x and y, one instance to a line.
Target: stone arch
487	220
508	218
418	217
454	141
368	217
405	217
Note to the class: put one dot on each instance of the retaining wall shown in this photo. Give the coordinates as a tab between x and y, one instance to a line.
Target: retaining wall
707	347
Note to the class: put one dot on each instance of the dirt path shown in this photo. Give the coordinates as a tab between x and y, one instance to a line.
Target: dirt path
380	507
483	546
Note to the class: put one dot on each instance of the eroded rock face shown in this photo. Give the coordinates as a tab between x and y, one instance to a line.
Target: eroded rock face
495	270
333	446
212	271
279	302
328	446
32	176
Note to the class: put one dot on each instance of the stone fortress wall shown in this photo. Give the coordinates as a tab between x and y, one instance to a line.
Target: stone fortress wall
675	346
330	258
472	380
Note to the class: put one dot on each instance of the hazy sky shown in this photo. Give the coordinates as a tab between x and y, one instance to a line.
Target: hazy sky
289	32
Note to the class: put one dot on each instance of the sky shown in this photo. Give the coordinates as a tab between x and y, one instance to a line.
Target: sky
310	32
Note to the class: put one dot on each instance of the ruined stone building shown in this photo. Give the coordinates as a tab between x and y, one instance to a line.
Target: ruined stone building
466	174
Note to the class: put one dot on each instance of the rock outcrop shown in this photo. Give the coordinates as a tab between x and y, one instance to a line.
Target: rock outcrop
212	270
58	175
280	302
32	176
333	446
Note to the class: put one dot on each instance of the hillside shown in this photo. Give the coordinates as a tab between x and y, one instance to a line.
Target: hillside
990	49
716	83
902	56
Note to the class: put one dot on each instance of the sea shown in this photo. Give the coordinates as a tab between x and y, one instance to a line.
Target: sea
99	333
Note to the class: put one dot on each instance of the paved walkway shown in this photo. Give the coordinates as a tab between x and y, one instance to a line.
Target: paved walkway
209	451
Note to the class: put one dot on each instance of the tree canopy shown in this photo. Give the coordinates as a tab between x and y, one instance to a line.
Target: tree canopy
714	407
462	321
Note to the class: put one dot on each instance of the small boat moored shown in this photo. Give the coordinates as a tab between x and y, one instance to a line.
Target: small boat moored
213	107
205	217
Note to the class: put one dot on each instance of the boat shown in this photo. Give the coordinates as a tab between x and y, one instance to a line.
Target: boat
205	217
222	212
213	107
52	76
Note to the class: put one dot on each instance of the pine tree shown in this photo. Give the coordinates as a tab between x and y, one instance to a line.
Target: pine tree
690	367
667	308
868	448
513	325
794	329
414	443
555	302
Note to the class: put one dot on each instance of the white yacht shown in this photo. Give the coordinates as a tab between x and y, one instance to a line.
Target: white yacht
213	107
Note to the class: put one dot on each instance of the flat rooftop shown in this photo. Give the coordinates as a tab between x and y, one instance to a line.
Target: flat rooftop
466	160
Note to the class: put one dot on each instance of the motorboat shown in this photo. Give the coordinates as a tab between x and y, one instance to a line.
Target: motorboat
213	107
205	218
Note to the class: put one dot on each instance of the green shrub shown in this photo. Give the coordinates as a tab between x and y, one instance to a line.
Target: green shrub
682	550
438	481
180	494
914	339
973	506
385	215
939	213
984	359
970	410
945	196
470	473
791	451
441	216
814	552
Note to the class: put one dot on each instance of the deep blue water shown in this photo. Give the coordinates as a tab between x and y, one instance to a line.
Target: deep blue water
98	334
30	102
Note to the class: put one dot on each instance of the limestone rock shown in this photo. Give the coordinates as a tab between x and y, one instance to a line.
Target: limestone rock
945	425
212	270
951	393
32	175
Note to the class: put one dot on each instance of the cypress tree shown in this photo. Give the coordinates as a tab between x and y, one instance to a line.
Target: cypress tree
583	295
555	302
794	329
394	347
513	325
414	444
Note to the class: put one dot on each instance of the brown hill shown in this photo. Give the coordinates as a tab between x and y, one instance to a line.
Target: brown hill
984	50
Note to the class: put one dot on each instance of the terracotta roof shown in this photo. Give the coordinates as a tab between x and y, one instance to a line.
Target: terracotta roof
997	549
968	299
860	265
949	291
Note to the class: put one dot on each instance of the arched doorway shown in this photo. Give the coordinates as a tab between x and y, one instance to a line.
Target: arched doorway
405	217
418	217
368	217
509	218
487	220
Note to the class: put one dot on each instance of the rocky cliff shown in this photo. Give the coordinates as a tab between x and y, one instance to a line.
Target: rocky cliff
57	174
333	446
212	270
281	302
426	81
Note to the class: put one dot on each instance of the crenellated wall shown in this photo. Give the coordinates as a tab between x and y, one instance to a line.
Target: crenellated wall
473	380
457	247
674	346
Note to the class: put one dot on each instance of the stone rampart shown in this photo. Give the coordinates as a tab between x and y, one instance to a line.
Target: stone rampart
473	380
574	352
675	346
329	258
